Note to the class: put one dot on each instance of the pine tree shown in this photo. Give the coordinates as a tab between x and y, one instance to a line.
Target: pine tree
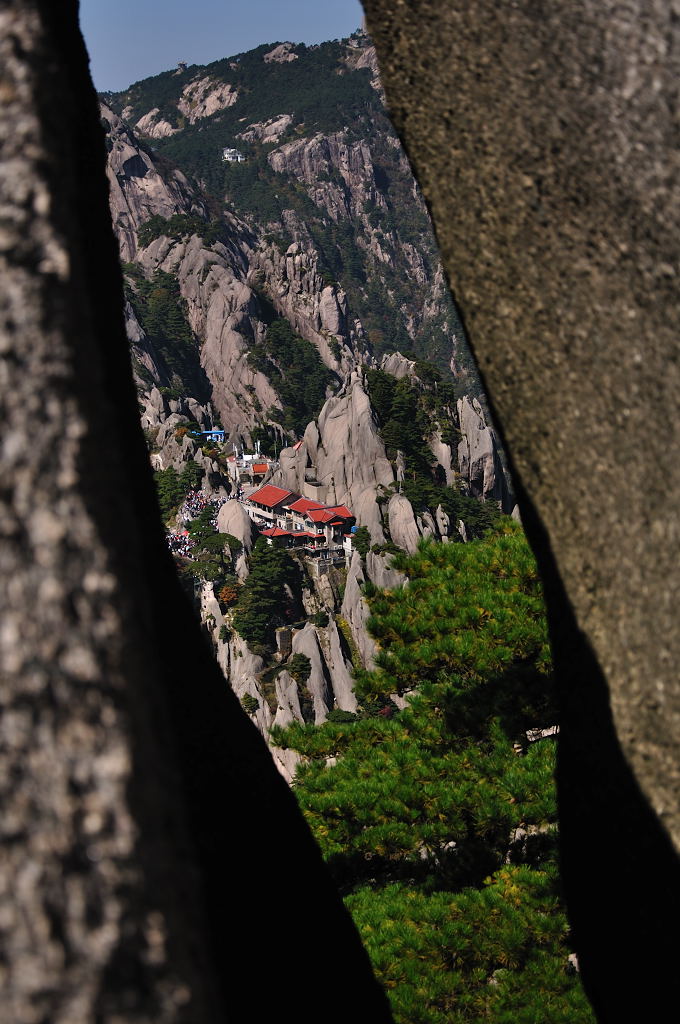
439	821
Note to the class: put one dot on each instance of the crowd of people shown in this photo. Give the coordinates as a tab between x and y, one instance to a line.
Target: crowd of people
180	541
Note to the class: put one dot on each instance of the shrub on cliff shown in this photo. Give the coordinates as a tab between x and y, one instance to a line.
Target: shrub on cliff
264	601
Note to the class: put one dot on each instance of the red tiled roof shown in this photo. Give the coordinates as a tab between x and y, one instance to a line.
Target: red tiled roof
260	467
328	515
341	510
318	515
276	531
270	495
304	505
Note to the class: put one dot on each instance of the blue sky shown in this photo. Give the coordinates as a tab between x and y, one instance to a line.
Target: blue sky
132	39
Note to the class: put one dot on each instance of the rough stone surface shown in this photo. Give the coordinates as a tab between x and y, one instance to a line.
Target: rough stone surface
232	518
281	54
343	451
267	131
222	310
306	642
89	840
478	457
318	312
380	573
136	795
544	139
154	126
136	190
340	669
355	612
396	364
403	529
205	97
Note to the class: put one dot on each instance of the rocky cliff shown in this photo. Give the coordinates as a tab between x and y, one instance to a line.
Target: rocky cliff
324	231
321	167
137	189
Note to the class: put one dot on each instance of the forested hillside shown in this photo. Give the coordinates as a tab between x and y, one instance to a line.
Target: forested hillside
322	166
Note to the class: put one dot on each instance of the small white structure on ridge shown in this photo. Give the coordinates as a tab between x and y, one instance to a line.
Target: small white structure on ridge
233	156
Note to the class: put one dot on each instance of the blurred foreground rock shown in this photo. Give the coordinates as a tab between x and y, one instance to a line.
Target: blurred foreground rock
544	138
147	840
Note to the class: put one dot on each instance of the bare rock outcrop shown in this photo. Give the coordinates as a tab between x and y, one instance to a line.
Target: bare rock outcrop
317	311
223	312
381	574
339	667
403	528
284	53
154	125
232	518
362	55
478	459
397	365
305	641
136	190
267	131
343	452
146	361
355	612
205	97
318	156
443	453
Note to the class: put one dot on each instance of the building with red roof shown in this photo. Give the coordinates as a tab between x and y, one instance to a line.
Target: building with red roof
303	505
288	517
265	504
270	497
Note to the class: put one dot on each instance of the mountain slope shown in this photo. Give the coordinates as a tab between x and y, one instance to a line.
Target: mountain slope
323	169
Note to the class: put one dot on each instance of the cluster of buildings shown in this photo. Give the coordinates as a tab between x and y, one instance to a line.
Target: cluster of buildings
299	522
323	531
246	470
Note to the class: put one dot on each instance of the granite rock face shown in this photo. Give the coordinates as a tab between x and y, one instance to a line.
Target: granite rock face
557	214
403	528
204	97
137	191
479	460
223	312
343	453
267	131
356	613
316	310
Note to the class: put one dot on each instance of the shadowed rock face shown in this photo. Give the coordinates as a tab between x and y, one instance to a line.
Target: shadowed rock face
542	137
141	810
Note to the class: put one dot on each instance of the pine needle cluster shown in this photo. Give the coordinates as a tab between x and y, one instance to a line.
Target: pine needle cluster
439	821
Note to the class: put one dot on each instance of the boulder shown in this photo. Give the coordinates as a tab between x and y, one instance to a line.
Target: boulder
355	612
306	642
402	523
478	459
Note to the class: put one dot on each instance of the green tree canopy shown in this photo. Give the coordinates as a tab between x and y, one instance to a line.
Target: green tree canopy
264	601
439	821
